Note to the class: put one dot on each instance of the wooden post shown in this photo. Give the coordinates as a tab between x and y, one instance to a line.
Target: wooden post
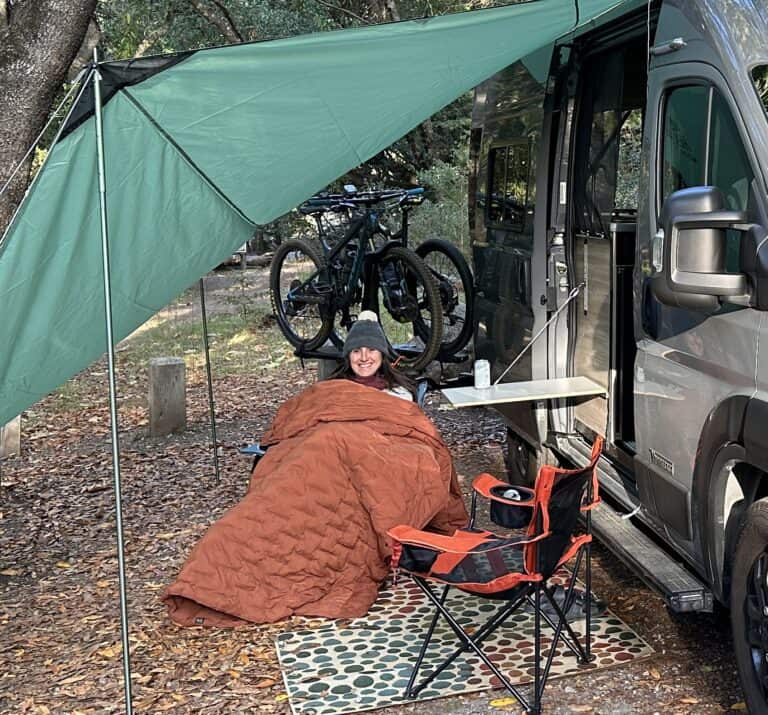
326	367
167	396
10	438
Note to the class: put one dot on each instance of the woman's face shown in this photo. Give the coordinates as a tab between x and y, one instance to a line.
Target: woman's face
365	362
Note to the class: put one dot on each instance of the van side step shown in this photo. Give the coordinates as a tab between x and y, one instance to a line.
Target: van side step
682	591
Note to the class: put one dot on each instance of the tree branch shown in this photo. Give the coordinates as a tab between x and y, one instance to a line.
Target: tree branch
228	18
222	22
344	10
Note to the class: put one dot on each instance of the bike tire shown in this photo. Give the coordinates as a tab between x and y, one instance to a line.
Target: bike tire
457	294
306	326
415	332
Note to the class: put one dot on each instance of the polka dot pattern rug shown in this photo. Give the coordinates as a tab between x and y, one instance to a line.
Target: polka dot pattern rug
364	664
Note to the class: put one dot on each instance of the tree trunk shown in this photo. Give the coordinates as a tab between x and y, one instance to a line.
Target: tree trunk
38	41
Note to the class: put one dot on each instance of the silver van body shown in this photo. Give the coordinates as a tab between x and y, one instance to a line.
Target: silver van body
632	160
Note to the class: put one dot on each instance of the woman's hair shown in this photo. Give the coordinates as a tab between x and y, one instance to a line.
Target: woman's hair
391	374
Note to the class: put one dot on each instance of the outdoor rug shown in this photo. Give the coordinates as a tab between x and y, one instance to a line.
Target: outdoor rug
364	663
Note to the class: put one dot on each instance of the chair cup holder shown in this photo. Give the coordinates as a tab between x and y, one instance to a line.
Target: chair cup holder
511	516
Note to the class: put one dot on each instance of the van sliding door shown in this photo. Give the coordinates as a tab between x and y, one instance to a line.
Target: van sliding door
605	177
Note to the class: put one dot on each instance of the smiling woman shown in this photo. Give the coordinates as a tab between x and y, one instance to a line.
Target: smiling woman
365	362
367	359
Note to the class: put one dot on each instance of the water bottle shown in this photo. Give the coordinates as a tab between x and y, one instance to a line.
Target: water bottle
482	374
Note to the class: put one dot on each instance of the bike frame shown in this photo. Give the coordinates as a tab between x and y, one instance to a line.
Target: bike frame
364	228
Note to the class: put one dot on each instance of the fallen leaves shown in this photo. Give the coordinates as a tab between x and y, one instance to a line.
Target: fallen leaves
59	610
110	651
504	703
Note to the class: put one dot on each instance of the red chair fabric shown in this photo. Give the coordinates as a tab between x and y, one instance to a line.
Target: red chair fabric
515	568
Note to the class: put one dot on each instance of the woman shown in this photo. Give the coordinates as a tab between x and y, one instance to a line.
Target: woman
367	359
345	463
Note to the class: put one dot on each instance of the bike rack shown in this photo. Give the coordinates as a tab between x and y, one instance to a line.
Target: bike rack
323	353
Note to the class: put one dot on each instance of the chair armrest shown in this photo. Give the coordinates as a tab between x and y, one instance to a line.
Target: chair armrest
255	450
460	542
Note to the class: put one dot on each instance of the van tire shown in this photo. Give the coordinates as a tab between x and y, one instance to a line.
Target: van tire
749	601
523	461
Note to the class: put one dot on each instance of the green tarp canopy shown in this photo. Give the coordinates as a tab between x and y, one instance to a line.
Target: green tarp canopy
202	146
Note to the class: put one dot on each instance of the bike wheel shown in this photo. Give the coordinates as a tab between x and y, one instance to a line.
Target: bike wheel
301	307
457	296
409	307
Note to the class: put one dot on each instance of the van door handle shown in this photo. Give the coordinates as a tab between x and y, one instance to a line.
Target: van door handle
657	251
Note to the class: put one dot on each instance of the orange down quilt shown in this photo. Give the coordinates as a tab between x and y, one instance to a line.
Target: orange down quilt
345	463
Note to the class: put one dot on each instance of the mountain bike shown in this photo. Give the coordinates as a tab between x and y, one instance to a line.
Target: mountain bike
445	261
317	286
452	276
454	282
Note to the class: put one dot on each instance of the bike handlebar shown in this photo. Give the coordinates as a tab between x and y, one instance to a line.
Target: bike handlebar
337	202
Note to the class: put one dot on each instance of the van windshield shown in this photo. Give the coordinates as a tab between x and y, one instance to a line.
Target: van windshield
760	80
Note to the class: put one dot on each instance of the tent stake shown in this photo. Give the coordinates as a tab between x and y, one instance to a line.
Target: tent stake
211	404
112	389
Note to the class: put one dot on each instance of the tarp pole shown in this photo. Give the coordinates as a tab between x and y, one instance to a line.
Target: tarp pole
211	404
112	388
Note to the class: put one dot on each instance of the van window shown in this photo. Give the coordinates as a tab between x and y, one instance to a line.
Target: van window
760	80
608	138
509	184
702	146
628	170
685	125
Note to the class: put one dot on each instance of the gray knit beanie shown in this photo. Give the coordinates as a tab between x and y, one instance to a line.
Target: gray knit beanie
367	333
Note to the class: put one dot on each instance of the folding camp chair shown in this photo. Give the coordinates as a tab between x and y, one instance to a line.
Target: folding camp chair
516	569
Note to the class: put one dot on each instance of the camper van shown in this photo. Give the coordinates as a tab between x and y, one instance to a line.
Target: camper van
619	191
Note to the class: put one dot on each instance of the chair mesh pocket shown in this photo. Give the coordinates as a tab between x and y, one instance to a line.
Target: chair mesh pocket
508	515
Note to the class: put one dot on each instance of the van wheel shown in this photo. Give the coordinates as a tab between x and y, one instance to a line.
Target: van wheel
749	607
523	461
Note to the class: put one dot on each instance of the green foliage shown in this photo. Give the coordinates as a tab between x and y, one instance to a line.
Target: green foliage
444	212
147	27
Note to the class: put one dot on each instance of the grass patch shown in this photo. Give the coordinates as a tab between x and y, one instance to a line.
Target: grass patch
239	344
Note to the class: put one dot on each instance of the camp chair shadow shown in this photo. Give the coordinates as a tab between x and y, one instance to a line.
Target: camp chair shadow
516	570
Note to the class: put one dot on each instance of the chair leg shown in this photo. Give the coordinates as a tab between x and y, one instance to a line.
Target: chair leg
468	642
537	684
410	692
588	602
562	629
486	630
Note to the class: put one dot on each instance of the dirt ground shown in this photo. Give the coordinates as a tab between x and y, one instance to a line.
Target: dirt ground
59	616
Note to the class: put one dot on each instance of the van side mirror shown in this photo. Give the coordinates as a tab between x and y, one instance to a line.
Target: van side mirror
692	271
